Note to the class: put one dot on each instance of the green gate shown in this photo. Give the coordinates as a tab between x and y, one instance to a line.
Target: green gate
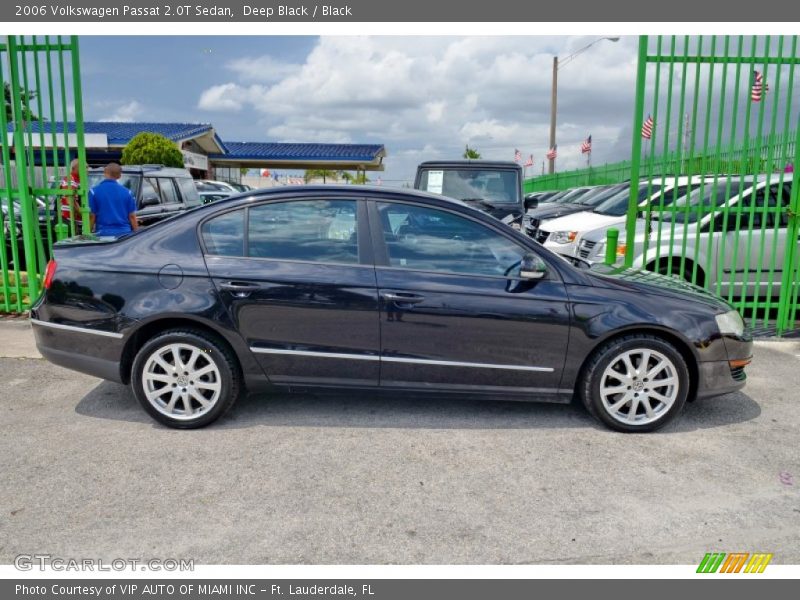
42	128
720	113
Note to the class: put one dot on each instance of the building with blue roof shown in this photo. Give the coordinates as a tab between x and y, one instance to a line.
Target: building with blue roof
205	154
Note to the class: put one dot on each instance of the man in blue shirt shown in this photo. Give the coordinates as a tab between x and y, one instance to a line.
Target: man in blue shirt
113	206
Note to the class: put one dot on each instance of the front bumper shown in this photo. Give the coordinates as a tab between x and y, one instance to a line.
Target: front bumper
717	378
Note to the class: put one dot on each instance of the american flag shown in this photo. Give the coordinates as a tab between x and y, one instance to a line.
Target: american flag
586	146
759	87
529	162
517	155
552	153
647	128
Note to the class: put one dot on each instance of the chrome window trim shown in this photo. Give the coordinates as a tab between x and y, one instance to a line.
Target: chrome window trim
317	354
393	359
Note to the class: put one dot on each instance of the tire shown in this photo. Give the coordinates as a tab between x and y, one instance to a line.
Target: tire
675	271
612	384
210	372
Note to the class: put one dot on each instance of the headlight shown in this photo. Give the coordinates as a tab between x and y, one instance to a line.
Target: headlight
563	237
730	322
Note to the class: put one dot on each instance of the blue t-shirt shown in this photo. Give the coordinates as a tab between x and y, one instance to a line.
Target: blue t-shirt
111	203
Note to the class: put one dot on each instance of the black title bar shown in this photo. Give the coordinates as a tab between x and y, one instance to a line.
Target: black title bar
464	11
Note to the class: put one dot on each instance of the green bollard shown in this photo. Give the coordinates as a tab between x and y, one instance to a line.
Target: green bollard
612	237
62	231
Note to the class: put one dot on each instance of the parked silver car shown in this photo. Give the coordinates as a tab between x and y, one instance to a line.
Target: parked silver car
729	236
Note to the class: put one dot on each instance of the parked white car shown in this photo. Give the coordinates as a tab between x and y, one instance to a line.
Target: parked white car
565	233
729	236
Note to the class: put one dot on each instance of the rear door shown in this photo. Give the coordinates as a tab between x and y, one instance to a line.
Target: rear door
149	208
171	202
757	232
454	316
297	278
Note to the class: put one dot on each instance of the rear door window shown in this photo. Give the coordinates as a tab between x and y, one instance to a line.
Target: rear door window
308	230
188	191
169	195
224	235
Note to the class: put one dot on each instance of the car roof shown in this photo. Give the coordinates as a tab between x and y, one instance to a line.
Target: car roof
470	164
149	170
351	190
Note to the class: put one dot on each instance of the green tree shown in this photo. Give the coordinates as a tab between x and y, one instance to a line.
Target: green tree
360	177
471	153
26	97
151	149
323	174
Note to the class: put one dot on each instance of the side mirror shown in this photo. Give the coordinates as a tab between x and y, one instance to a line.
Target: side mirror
531	201
532	267
150	201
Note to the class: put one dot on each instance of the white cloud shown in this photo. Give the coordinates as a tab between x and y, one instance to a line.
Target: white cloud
230	96
127	112
261	68
426	97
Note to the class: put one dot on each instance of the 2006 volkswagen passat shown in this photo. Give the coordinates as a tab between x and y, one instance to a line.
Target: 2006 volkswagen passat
359	288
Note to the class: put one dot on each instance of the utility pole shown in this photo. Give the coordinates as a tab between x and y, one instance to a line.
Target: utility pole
553	111
554	91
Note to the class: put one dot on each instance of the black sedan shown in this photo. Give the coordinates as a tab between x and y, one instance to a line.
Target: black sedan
360	288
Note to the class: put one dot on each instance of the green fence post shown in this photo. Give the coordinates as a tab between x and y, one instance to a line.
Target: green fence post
636	150
20	158
77	99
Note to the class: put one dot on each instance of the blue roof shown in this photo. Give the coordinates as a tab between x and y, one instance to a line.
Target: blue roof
120	133
300	152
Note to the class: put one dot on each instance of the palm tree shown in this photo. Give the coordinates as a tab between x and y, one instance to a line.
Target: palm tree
325	174
471	153
360	178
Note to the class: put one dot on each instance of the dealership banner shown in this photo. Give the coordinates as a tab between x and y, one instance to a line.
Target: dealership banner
384	589
443	11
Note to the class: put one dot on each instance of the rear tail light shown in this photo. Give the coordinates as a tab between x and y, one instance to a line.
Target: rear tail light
48	274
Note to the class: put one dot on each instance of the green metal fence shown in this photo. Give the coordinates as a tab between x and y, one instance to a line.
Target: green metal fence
753	158
725	111
41	80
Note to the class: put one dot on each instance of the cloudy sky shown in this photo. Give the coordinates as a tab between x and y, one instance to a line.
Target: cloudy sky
423	97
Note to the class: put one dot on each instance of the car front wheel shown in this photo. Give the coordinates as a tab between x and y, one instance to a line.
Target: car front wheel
185	378
636	383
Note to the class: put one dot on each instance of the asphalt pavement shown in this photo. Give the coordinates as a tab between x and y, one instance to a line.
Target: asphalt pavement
357	480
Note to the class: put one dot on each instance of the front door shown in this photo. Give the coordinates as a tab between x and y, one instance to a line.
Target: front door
295	281
454	315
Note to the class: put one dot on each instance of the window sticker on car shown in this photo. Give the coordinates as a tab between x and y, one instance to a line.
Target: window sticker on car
435	181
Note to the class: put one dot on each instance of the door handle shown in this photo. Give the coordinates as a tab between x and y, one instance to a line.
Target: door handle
240	289
401	298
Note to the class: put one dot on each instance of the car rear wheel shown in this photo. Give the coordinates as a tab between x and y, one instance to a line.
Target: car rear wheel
185	378
636	383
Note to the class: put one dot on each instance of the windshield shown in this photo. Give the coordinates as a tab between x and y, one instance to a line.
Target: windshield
129	180
617	204
491	185
598	195
699	202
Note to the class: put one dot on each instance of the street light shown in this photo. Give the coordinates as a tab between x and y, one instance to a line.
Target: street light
554	92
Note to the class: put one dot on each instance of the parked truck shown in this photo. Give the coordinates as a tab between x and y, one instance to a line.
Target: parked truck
495	187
